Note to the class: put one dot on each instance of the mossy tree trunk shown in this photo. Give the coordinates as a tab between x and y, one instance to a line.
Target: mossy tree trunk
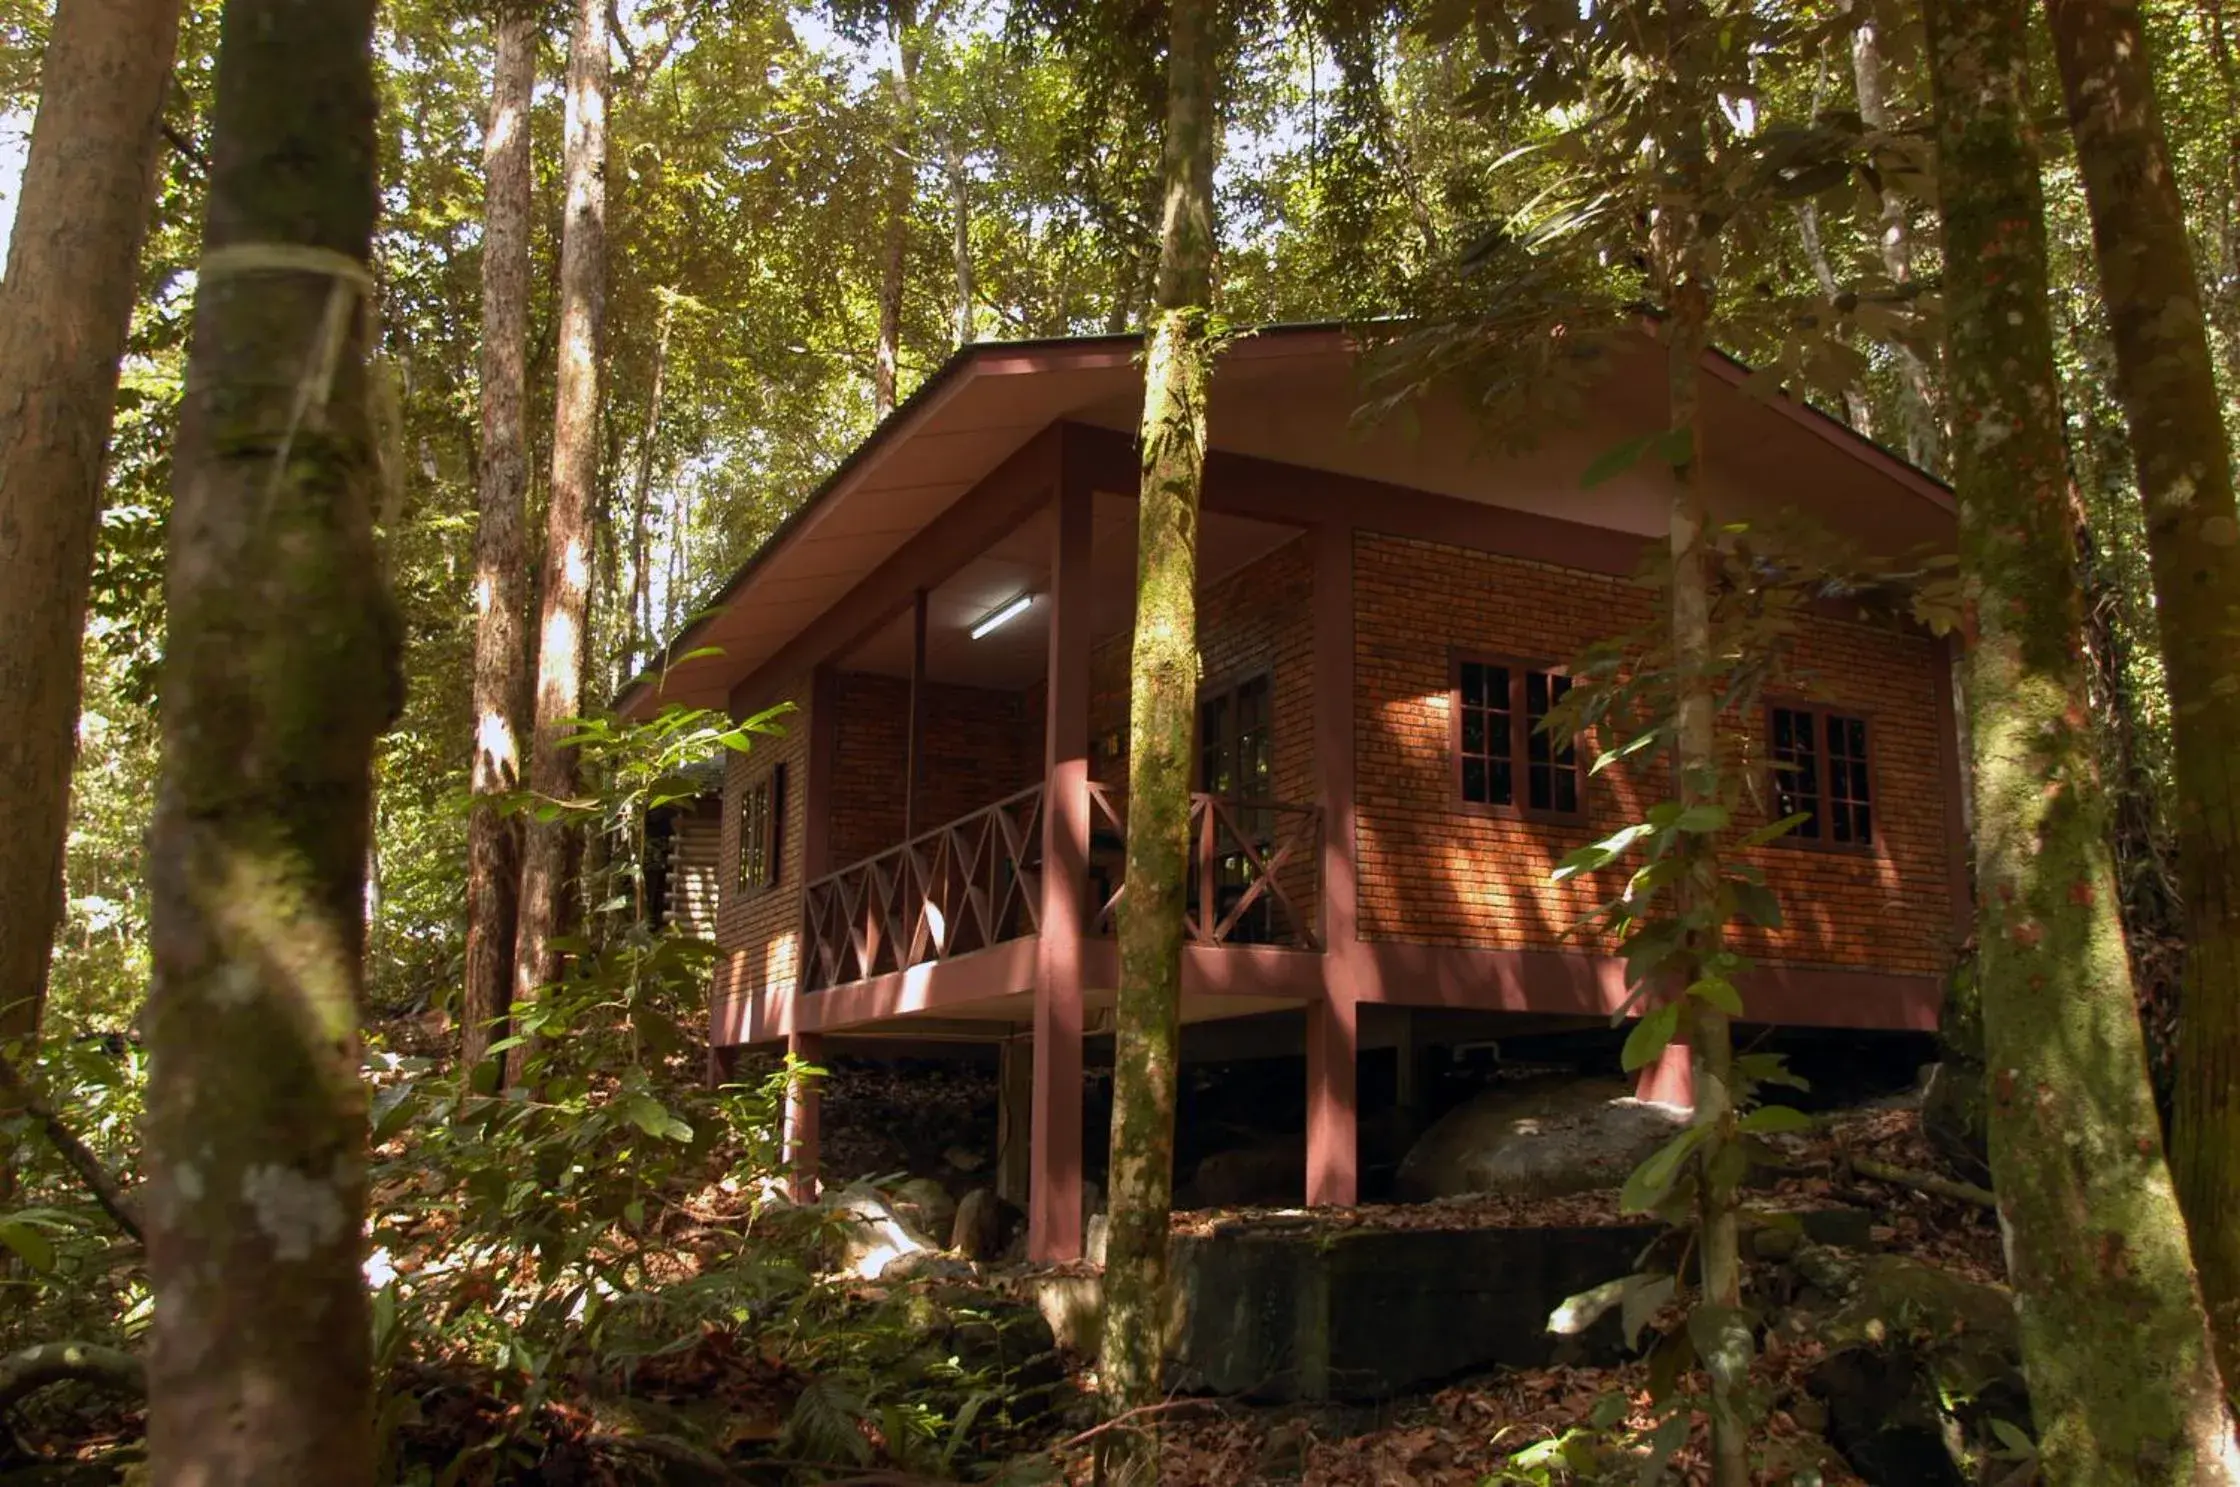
500	570
2115	1345
65	307
2168	385
1163	688
281	670
563	638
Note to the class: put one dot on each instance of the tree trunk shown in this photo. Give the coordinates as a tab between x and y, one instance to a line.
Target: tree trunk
960	203
1857	411
1917	400
893	254
2091	1220
2168	387
65	307
501	575
1163	686
281	671
563	628
638	620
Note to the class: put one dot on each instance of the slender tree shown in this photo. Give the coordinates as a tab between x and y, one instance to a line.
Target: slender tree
563	627
1162	703
500	656
960	207
2168	385
902	178
65	307
2091	1220
1917	403
280	672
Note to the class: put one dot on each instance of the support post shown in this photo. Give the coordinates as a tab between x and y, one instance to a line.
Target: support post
1348	976
804	1118
1054	1197
1671	1080
1014	1106
915	747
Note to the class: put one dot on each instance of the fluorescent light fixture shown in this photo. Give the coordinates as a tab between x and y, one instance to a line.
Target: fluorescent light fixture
999	617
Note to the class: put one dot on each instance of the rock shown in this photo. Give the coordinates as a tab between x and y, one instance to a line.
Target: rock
925	1205
1268	1173
1095	1235
977	1232
927	1265
872	1235
1778	1235
1537	1139
964	1159
1072	1306
1920	1360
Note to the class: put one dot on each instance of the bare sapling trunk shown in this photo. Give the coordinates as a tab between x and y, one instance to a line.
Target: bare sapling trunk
65	308
500	567
1917	402
563	628
638	620
2093	1233
281	671
1163	685
2168	386
894	250
960	205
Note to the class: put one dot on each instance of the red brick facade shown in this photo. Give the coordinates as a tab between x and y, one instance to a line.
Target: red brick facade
1434	871
759	930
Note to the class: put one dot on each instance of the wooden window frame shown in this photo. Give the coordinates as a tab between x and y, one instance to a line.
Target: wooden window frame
761	876
1520	807
1229	685
1820	710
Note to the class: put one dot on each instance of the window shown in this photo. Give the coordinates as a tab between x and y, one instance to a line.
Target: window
1235	758
1820	772
762	813
1501	751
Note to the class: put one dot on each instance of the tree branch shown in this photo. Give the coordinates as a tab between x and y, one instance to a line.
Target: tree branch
1927	1182
31	1369
75	1153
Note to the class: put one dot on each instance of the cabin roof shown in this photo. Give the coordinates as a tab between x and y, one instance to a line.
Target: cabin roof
1283	393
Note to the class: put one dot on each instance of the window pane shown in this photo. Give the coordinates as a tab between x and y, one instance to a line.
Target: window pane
1501	790
1567	789
1473	731
1796	772
1848	782
1474	781
1473	684
1539	788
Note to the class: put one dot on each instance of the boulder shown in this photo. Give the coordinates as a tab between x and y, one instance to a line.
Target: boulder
1269	1172
977	1231
1919	1362
871	1235
1537	1139
925	1205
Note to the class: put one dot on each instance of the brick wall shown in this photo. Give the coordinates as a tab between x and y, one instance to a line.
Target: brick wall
1433	872
759	930
979	748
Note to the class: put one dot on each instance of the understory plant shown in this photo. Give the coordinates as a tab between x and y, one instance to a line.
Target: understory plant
1693	896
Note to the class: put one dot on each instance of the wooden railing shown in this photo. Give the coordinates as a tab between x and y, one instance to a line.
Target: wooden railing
1255	869
965	886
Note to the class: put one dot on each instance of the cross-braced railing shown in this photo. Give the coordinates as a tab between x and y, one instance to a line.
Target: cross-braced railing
1255	869
965	886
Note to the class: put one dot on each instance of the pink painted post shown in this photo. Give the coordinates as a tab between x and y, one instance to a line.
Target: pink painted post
1054	1187
804	1118
1349	974
1671	1080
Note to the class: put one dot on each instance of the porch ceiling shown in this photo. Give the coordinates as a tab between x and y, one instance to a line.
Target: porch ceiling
1016	655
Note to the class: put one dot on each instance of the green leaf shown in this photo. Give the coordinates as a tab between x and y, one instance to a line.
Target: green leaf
1776	1120
1645	1296
1599	854
1719	992
1703	818
1651	1035
1652	1178
30	1246
1774	830
1581	1311
652	1117
1616	460
1724	1342
1758	904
